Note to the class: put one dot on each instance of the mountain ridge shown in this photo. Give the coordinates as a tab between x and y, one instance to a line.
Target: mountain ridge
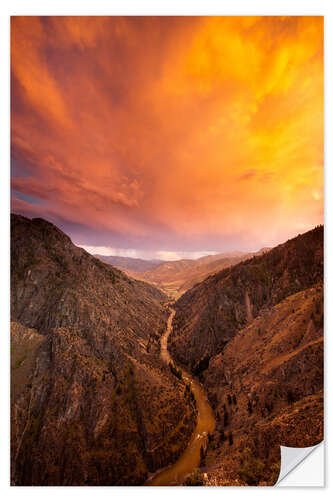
84	362
253	334
263	280
175	277
129	263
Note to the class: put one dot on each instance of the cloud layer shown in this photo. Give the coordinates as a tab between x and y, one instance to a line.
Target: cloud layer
169	134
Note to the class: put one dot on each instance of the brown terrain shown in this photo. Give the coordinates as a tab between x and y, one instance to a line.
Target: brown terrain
93	400
175	277
254	336
92	403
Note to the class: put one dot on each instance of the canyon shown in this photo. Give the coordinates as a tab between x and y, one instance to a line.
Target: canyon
186	372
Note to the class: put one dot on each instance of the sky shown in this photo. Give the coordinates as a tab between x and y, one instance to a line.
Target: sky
168	137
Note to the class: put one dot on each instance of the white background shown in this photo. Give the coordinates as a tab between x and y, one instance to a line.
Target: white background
145	7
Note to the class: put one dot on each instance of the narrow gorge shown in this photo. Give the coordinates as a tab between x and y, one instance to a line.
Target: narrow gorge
205	423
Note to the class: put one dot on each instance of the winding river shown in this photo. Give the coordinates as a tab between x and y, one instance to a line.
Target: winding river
190	459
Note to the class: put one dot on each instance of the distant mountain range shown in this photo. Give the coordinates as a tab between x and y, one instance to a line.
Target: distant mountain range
175	277
130	263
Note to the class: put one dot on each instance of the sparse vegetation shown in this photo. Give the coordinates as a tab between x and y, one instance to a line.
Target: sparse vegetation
202	456
291	398
194	479
20	361
222	436
249	407
251	470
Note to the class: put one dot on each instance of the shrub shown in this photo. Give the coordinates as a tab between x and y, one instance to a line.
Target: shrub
194	479
249	407
202	455
291	397
274	472
269	407
252	469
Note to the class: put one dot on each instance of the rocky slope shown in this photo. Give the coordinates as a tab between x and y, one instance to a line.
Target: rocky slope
254	335
210	314
91	402
267	391
212	264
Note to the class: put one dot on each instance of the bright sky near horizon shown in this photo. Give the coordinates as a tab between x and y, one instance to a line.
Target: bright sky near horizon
169	136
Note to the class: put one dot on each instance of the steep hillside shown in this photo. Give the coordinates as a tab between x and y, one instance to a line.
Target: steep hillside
209	265
253	334
129	263
210	314
267	390
85	363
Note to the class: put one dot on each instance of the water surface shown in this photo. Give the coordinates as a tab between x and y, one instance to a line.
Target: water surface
190	459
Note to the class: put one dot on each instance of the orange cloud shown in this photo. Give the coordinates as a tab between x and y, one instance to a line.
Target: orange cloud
173	133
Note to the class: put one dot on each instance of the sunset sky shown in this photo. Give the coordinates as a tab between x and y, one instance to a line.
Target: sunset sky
168	137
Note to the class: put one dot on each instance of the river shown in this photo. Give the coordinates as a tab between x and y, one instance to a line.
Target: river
190	459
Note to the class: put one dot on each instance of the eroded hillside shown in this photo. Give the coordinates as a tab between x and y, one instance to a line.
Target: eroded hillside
267	390
92	403
210	314
254	336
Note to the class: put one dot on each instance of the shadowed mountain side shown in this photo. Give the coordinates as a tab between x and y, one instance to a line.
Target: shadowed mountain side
254	336
92	403
210	314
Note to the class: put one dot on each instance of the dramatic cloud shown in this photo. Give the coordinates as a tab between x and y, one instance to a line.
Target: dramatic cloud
169	134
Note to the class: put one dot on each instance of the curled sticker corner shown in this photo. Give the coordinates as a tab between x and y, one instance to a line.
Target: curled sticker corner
291	458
